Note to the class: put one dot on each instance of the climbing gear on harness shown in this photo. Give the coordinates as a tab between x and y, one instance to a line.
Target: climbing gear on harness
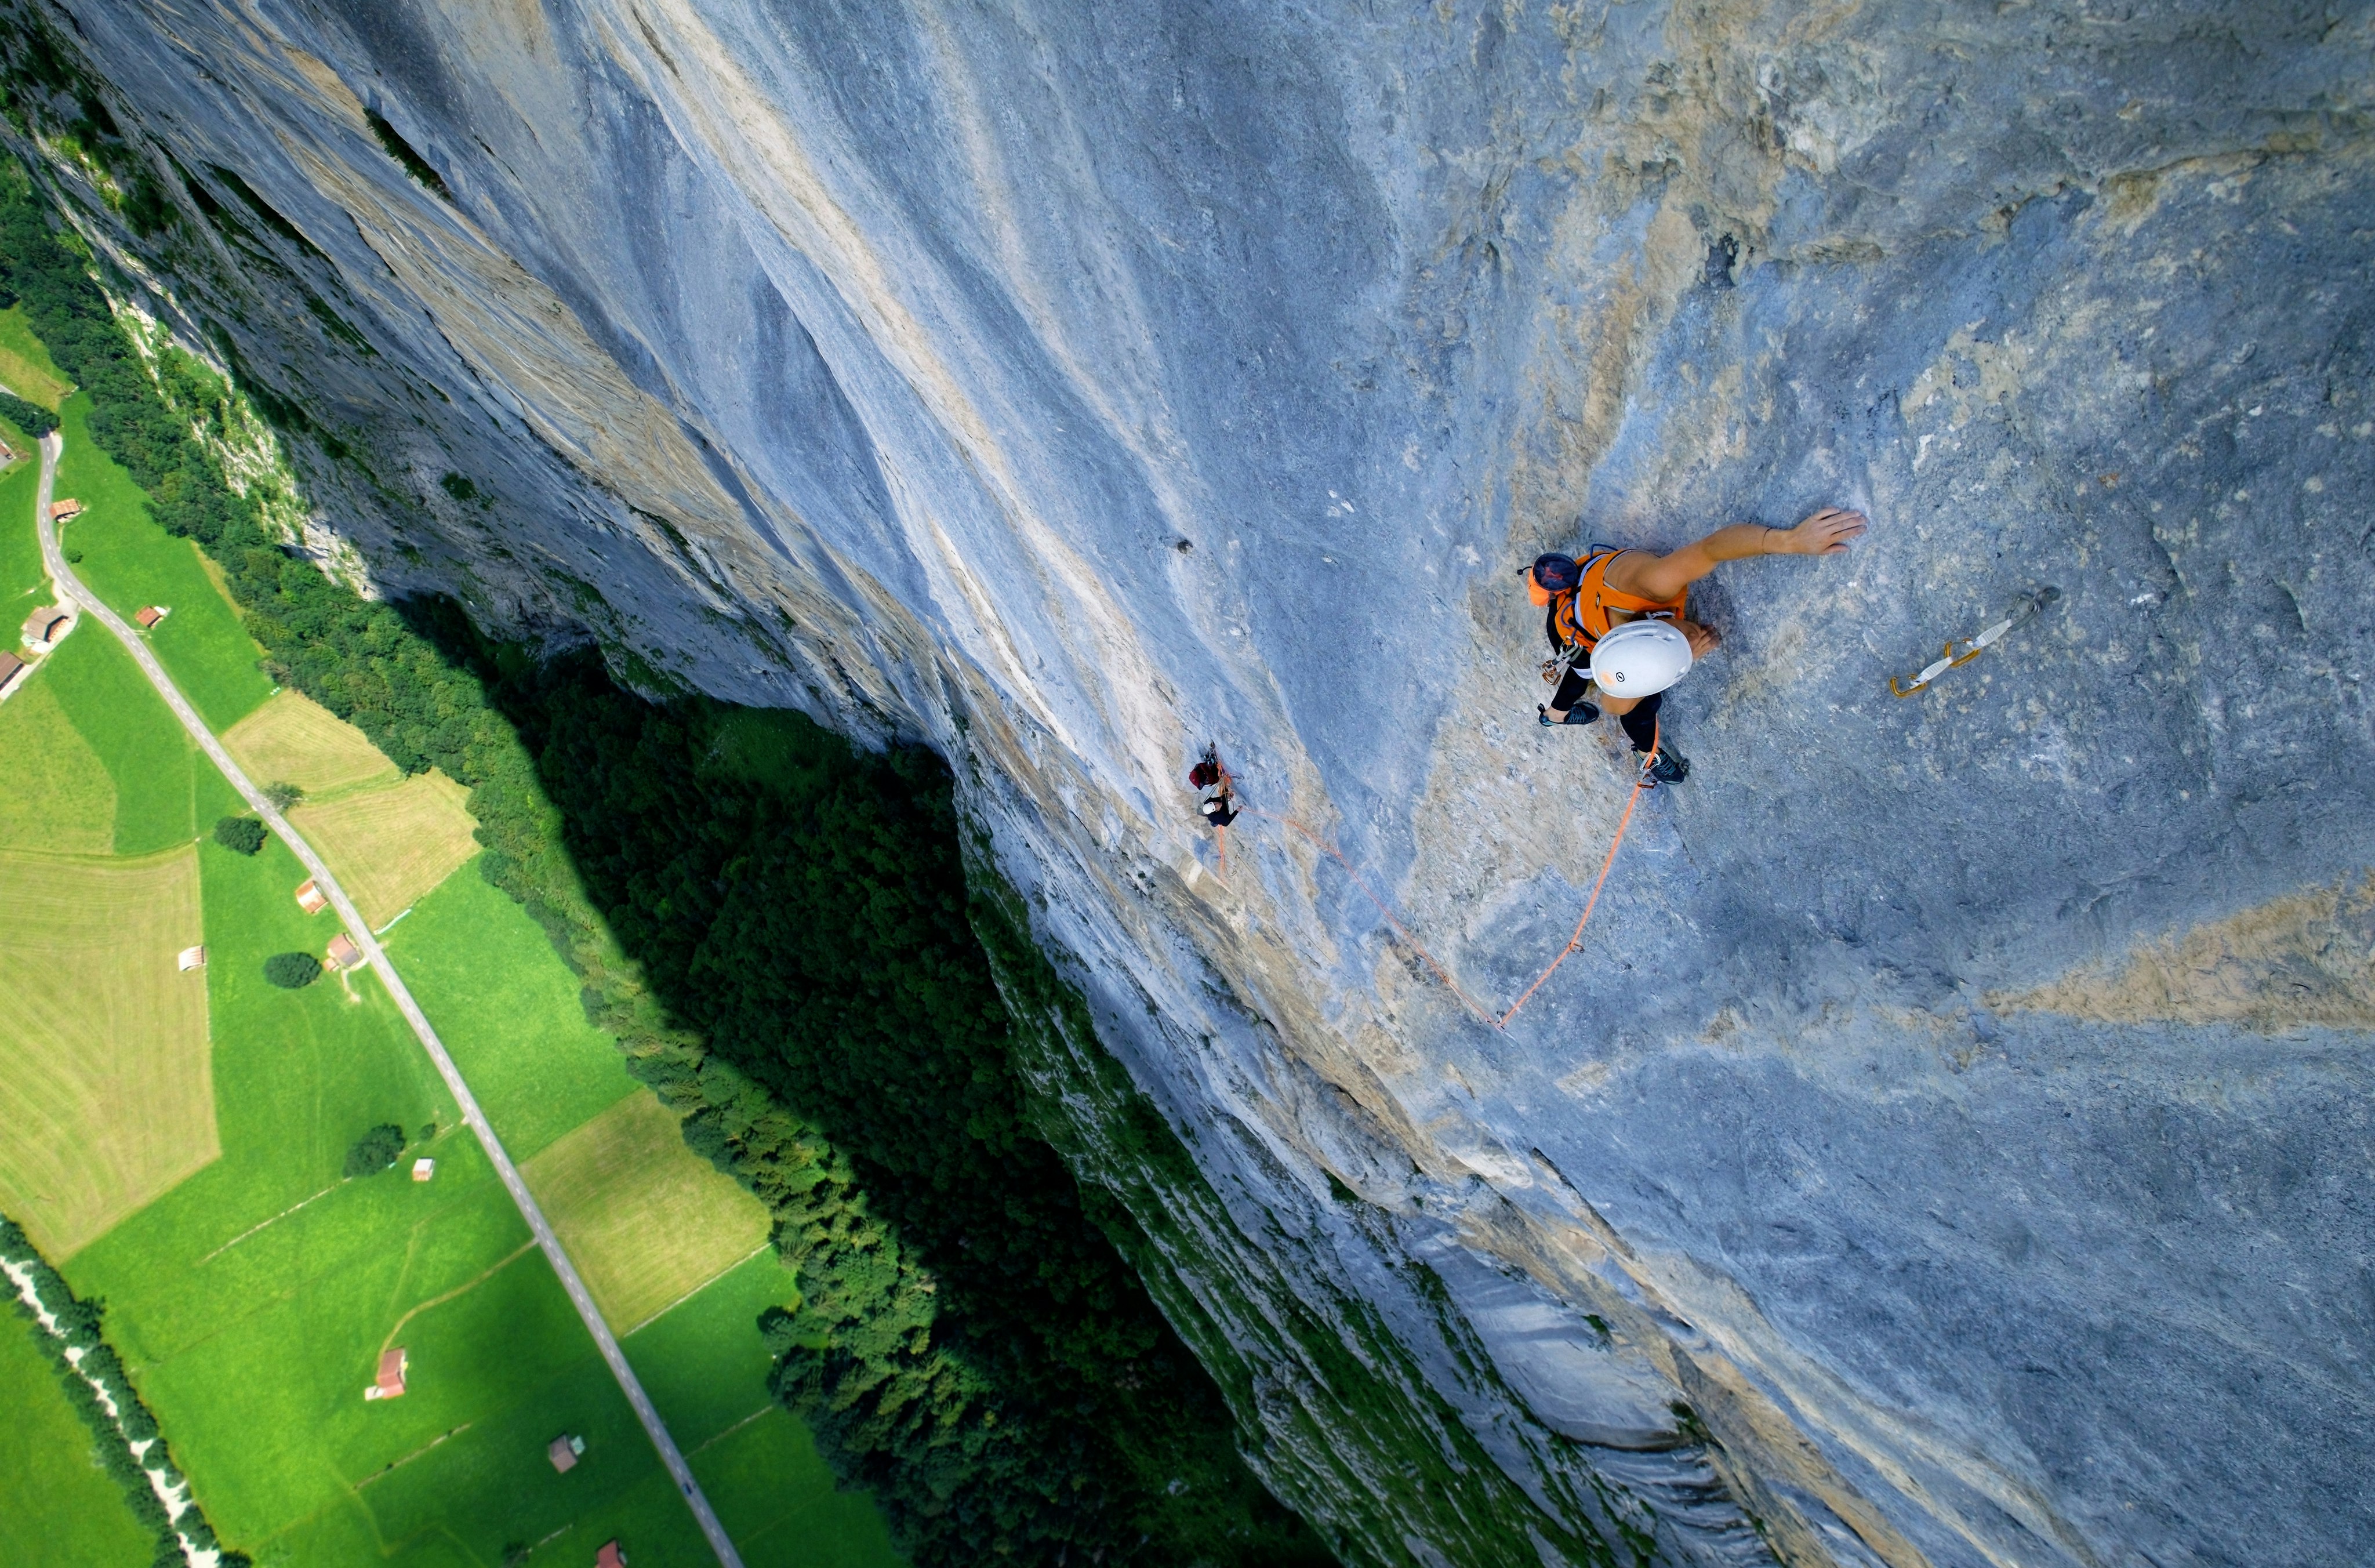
1640	658
1581	713
2027	609
1581	618
1664	765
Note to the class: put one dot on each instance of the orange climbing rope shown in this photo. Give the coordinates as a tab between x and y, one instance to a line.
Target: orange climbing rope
1574	941
1399	930
1640	782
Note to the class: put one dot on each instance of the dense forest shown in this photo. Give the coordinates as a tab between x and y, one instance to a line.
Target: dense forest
777	930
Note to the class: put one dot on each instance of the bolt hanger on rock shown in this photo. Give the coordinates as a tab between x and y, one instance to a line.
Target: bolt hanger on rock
2031	607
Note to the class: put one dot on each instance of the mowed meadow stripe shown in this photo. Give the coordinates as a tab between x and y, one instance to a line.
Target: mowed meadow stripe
359	930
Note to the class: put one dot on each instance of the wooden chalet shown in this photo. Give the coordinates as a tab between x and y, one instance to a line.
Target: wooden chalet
46	625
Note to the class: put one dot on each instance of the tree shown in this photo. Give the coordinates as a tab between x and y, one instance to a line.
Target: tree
375	1150
283	796
293	972
30	418
240	835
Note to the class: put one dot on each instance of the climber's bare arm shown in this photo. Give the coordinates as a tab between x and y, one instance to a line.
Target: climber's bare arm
1648	576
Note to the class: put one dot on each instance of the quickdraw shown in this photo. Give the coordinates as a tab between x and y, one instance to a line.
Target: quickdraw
2029	609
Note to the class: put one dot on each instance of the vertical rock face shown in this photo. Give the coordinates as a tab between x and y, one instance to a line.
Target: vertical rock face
1950	1143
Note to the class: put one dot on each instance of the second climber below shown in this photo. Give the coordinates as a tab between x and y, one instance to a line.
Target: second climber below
1614	621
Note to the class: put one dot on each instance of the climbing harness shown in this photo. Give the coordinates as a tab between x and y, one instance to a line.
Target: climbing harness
2029	607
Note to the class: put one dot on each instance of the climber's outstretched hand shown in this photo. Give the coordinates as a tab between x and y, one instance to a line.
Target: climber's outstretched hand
1827	532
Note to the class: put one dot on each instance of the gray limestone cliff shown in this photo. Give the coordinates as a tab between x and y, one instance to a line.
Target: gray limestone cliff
1952	1143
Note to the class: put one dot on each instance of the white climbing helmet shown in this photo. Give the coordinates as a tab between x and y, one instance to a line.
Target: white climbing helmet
1640	658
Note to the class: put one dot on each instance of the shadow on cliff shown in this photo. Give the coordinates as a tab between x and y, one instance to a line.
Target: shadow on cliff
795	968
774	927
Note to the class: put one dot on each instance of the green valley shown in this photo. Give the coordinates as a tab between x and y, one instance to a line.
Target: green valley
193	1184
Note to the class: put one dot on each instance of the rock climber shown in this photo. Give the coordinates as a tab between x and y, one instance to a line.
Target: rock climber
1615	622
1211	778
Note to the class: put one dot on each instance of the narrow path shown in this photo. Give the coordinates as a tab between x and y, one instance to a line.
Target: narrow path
70	590
464	1288
265	1225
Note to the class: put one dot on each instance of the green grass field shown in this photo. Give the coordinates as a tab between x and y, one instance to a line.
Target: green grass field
22	581
62	1510
104	1084
507	1008
129	561
293	740
25	363
149	757
251	1299
706	1370
65	802
646	1220
703	1363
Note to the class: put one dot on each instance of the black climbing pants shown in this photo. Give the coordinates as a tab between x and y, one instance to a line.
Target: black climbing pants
1640	725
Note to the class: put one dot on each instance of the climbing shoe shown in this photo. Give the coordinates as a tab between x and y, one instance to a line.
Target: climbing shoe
1581	713
1665	765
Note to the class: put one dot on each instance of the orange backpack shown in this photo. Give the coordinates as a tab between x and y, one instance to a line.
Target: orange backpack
1579	616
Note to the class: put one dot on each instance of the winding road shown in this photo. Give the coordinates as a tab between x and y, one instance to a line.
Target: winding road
70	589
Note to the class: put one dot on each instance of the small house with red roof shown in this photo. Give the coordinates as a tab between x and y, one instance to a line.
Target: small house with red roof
610	1556
393	1364
343	953
148	616
310	898
67	507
